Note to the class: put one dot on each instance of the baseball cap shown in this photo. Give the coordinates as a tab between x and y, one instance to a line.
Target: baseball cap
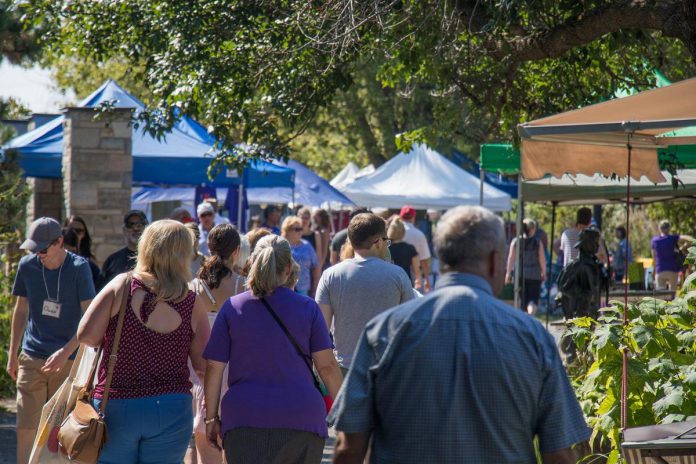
41	233
135	212
204	208
407	212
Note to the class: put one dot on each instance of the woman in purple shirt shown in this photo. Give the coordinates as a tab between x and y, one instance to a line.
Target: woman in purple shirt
272	411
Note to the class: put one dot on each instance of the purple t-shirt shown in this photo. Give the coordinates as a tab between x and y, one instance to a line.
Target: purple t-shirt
664	246
269	383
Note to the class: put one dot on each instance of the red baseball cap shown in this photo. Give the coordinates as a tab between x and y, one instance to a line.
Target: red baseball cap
407	212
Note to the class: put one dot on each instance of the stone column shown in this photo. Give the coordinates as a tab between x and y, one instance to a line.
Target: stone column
98	173
46	199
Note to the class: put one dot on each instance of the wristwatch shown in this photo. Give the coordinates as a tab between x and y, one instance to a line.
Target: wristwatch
211	420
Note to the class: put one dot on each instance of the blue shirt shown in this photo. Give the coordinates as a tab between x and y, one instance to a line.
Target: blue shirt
306	257
458	376
45	334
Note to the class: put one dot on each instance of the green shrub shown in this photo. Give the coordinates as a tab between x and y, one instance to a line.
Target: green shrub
661	370
7	385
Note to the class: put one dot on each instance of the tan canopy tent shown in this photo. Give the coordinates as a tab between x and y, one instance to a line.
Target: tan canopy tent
618	137
593	140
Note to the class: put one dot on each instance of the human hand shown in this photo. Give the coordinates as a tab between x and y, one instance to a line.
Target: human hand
212	433
12	365
508	278
55	362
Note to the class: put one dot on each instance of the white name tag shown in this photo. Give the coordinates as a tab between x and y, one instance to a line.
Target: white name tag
51	308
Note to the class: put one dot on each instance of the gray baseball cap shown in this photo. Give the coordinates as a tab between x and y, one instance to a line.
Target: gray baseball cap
41	233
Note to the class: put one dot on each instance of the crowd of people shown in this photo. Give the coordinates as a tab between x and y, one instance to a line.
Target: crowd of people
236	345
612	261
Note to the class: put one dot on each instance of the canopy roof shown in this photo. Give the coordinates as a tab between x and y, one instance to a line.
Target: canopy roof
597	189
310	189
424	179
182	156
346	175
594	139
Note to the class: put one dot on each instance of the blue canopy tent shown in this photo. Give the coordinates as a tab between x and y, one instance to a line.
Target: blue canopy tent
182	156
310	189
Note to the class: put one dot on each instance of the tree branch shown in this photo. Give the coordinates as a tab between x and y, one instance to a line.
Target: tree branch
577	32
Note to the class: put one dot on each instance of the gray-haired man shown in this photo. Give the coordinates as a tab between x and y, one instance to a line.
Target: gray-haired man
458	376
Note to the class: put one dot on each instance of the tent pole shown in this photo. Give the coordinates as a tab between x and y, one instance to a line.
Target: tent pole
624	367
549	273
482	175
240	205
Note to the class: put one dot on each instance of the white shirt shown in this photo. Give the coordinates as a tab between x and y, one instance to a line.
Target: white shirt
417	238
568	240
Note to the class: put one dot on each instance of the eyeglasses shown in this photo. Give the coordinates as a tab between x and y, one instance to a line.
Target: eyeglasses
133	225
386	240
45	250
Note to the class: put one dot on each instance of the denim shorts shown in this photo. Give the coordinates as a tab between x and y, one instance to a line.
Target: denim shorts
155	429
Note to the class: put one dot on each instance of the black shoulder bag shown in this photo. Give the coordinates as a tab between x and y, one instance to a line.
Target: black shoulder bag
306	358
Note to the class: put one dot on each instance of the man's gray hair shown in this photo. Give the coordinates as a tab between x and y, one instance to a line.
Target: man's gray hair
466	236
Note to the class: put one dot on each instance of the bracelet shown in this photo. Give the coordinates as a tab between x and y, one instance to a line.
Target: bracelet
210	421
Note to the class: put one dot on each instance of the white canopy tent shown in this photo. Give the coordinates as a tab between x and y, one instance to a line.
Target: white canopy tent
423	179
349	173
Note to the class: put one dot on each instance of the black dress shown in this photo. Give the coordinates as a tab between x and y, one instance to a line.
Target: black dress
402	254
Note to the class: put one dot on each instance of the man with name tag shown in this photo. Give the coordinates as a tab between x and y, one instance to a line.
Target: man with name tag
53	288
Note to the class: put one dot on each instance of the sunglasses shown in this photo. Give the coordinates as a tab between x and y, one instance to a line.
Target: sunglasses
78	230
133	225
206	214
297	229
45	250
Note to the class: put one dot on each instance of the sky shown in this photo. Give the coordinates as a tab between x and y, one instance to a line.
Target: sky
33	87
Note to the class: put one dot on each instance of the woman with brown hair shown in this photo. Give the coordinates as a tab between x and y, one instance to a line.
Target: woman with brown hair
322	226
148	413
216	283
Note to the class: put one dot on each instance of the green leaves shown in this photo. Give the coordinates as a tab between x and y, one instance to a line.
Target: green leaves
660	338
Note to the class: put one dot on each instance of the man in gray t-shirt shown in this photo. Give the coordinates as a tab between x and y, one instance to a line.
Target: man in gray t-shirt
356	290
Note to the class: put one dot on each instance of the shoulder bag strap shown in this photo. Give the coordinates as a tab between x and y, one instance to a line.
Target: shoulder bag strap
305	358
117	342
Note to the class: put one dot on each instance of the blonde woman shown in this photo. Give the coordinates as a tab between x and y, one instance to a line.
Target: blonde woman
272	411
403	254
303	253
215	284
149	414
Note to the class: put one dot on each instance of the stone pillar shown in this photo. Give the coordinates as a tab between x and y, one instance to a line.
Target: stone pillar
46	199
98	173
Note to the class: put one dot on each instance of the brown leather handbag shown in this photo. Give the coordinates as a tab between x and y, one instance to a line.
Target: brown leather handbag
83	433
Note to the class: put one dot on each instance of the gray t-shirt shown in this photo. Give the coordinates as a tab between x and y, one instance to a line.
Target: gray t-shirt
359	289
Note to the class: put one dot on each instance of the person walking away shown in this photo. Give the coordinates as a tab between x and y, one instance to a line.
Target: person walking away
272	411
304	255
149	415
415	237
621	258
460	357
665	251
53	288
271	219
403	254
341	236
322	225
571	236
215	283
533	265
355	290
134	222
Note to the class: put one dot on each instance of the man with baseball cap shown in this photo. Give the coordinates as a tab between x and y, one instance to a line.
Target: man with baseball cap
53	288
415	237
134	222
207	220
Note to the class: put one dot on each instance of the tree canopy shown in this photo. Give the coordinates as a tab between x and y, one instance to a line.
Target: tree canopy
456	71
